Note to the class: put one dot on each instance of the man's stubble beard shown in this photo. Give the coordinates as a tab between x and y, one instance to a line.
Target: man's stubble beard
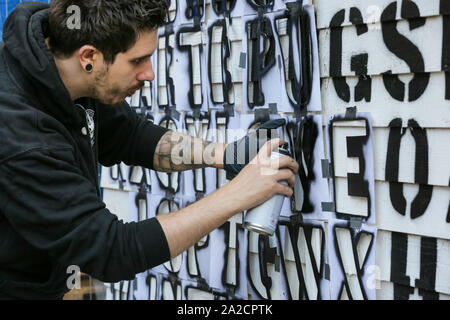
102	93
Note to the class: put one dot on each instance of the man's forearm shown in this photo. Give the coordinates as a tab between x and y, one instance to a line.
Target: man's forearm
179	152
187	226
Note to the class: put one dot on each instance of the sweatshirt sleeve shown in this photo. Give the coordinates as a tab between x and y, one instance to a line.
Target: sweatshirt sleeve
126	137
56	209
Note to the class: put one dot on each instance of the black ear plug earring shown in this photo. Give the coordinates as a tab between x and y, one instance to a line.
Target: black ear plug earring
88	67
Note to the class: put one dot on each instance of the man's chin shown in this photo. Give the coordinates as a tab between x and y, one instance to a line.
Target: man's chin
113	103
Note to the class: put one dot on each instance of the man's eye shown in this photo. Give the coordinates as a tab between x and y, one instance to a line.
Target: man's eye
138	61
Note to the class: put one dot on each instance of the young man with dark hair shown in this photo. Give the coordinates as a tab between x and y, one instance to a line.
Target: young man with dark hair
62	112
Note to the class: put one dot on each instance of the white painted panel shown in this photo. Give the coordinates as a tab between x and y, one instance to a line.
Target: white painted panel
443	266
431	109
427	38
431	224
383	255
438	156
371	10
413	260
346	204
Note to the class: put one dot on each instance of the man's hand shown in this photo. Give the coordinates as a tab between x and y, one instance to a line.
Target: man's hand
260	179
239	153
256	183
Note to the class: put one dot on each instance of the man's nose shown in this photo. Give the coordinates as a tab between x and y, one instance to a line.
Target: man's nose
147	73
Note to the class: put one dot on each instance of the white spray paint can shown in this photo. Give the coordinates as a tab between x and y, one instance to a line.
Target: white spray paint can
263	219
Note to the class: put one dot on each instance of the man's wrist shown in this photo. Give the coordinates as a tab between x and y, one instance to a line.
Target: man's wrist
219	155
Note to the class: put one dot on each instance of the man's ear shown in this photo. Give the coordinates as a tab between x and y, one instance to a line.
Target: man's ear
89	57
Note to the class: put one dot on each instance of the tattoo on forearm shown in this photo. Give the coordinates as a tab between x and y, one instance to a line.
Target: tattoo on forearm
180	152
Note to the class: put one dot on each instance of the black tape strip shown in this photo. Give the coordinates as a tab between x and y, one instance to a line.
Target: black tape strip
262	115
328	207
196	113
294	7
295	219
170	195
273	109
326	168
327	271
174	113
350	113
229	109
243	60
168	29
355	223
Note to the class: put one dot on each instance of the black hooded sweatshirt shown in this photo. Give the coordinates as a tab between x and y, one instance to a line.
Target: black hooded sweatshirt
51	214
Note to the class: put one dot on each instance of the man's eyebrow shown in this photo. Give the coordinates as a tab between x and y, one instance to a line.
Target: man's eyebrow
142	57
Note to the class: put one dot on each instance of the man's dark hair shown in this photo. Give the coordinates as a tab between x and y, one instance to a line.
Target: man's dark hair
112	26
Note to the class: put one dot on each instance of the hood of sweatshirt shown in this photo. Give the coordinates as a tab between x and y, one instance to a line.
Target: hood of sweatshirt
34	66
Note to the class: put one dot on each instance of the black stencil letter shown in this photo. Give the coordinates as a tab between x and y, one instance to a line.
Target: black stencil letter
423	198
259	61
403	48
358	62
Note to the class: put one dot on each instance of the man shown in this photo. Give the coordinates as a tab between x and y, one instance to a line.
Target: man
62	111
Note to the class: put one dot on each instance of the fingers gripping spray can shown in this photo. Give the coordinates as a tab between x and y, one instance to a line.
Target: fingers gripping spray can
263	219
